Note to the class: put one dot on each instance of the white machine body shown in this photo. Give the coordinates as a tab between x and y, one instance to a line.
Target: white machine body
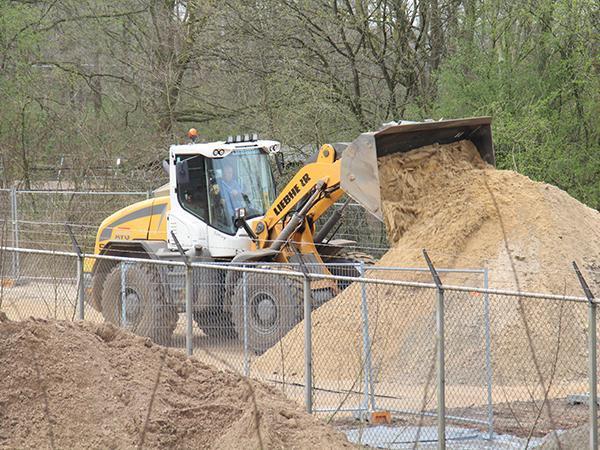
208	182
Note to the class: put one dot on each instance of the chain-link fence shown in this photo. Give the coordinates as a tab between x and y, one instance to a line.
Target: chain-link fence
37	218
394	363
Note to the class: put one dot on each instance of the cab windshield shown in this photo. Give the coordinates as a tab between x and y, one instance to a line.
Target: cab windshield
242	179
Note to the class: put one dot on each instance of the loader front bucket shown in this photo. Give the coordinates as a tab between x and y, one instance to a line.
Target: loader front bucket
360	173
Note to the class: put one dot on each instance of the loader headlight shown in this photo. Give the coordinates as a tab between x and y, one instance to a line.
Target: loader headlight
274	148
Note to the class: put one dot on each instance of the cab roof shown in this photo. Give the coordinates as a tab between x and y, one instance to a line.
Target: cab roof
219	149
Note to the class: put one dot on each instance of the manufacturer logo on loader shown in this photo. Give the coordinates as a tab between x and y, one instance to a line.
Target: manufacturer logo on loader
291	194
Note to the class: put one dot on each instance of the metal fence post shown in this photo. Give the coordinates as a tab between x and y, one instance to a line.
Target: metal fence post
189	345
189	322
80	274
15	231
593	368
593	376
488	355
366	344
245	295
308	385
80	288
123	266
440	357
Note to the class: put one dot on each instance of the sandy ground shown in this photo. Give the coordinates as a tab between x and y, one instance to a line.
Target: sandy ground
85	385
45	300
404	398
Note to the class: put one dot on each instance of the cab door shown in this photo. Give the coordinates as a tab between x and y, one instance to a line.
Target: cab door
189	203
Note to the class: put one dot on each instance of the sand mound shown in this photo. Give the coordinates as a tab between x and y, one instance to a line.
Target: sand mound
574	439
80	385
466	214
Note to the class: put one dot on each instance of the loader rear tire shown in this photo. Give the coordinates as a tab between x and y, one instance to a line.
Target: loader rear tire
148	312
274	307
100	274
344	258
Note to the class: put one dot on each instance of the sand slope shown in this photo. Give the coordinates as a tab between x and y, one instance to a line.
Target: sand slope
466	214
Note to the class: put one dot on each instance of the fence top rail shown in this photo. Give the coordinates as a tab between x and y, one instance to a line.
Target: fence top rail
368	268
316	276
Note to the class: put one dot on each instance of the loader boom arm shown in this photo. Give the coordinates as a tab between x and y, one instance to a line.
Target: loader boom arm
324	172
354	171
326	168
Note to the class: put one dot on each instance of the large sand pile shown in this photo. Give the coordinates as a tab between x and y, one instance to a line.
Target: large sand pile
466	214
81	385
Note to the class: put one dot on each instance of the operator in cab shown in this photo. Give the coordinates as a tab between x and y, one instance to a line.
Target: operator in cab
231	189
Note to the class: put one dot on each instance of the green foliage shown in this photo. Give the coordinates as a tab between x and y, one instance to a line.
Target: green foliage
94	80
542	91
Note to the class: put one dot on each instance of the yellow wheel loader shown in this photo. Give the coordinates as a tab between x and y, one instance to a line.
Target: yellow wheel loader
220	205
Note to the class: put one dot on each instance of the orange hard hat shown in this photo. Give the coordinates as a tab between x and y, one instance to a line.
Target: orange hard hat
192	133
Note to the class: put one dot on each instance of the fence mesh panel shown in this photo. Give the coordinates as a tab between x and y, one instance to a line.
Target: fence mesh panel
516	367
42	216
539	359
360	226
46	288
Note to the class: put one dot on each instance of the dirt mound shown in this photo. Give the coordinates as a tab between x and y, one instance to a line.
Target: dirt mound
574	439
81	385
466	214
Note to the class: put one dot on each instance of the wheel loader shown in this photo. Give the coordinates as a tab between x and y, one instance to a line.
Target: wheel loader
221	206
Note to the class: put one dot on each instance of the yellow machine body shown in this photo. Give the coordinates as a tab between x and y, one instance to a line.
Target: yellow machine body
141	221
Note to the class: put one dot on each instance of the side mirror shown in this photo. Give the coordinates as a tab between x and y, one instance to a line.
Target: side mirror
165	166
279	160
239	217
239	220
182	173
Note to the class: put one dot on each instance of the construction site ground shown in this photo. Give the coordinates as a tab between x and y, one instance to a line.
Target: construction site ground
34	299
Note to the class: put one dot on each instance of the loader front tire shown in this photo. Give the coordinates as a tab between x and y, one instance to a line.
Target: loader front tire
147	311
274	307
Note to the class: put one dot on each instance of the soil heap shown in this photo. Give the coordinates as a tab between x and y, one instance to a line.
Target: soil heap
446	199
82	385
573	439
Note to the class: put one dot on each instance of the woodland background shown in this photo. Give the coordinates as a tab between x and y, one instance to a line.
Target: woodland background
84	82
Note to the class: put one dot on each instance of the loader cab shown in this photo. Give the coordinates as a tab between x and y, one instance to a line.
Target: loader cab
209	182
